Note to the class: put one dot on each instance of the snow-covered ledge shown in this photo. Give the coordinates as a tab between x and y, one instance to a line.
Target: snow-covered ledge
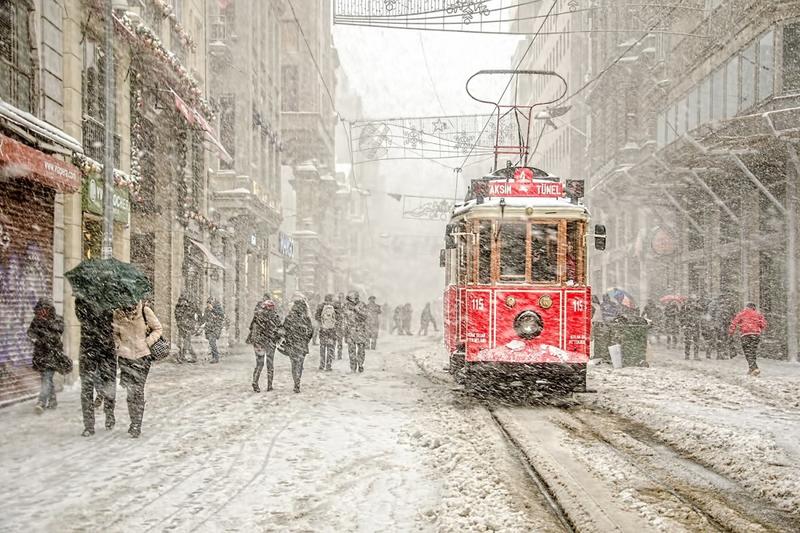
39	127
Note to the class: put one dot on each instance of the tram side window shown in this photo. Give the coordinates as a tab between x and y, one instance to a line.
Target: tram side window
462	260
512	237
576	260
485	253
544	253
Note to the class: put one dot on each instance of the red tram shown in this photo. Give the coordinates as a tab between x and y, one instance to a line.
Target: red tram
517	302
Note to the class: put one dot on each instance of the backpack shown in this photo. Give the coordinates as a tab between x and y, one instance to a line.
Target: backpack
327	318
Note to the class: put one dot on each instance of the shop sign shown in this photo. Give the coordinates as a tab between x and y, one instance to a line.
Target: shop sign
285	245
24	161
93	189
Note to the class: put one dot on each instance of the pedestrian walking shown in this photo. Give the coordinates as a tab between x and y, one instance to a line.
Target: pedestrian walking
373	323
214	321
45	332
691	317
186	321
357	336
326	317
313	303
653	313
341	327
672	322
751	324
405	316
97	364
264	336
297	332
397	321
426	320
136	329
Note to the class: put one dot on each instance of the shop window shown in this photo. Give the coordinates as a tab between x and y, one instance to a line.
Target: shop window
766	65
748	86
732	87
544	253
92	238
512	239
16	64
704	102
718	94
791	57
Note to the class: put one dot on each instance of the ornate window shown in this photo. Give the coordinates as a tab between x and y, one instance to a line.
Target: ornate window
94	103
16	63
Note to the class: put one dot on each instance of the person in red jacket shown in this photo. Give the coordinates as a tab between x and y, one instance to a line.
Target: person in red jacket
751	324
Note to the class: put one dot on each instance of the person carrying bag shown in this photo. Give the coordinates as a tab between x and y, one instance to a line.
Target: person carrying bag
138	340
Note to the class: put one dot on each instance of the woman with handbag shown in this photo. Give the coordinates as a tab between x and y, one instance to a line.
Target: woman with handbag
264	336
48	350
297	333
137	332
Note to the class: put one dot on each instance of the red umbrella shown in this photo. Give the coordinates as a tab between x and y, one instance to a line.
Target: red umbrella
672	298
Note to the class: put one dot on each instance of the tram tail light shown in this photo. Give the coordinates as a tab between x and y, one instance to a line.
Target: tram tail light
528	325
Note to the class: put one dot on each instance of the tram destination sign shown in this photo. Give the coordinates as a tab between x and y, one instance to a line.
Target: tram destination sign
523	188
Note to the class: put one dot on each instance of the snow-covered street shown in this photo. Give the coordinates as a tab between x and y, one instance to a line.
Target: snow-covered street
679	446
384	451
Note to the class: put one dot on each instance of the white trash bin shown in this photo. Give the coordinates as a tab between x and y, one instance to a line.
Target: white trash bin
615	351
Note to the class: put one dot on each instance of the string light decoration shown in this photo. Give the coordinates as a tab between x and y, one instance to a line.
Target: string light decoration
168	12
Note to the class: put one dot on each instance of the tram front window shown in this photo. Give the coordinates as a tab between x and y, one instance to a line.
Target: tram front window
485	253
575	257
512	238
544	253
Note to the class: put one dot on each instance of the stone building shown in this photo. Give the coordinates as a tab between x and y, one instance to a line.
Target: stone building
307	125
245	80
693	154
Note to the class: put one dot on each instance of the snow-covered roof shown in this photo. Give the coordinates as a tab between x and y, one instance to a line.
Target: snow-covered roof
521	202
240	190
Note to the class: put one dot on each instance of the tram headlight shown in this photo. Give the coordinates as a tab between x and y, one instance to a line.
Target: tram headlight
528	325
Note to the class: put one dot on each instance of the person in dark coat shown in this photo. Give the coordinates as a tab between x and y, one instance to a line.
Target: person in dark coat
97	363
397	321
357	335
264	336
691	317
405	319
186	321
45	333
654	314
326	316
426	320
340	325
672	322
214	320
297	332
373	323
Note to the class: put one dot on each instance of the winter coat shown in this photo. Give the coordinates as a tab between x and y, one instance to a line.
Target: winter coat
357	332
426	316
672	315
373	319
130	332
264	328
97	331
185	315
214	320
749	321
337	319
691	314
297	331
45	334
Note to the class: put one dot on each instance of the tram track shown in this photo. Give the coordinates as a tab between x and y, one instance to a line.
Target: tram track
555	446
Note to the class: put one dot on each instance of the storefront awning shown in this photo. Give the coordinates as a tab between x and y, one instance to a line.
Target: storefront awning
20	161
211	258
194	118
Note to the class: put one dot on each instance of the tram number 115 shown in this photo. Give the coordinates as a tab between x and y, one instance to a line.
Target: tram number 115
477	304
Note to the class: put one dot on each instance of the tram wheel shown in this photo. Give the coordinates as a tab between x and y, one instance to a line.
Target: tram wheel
457	366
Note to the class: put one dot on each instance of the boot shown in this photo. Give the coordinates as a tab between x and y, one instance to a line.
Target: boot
135	431
110	421
39	408
255	387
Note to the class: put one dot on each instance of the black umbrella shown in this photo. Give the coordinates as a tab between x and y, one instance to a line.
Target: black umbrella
109	283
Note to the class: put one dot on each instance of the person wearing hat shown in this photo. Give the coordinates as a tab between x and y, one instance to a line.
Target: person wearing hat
326	316
214	320
297	331
264	336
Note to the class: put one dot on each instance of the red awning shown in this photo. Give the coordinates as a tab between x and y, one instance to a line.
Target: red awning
21	161
196	119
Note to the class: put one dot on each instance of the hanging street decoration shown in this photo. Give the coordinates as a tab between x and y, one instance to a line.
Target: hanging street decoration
427	208
436	137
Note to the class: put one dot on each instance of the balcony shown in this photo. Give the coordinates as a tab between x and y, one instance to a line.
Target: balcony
94	138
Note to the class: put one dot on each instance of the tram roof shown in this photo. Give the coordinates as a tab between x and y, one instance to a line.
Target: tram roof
550	206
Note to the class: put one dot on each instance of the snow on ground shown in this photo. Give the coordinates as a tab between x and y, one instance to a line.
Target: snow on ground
388	450
743	427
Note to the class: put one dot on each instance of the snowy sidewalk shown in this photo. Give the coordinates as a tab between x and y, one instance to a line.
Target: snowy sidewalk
743	427
387	450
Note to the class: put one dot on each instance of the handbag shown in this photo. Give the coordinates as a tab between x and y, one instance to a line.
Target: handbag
64	364
161	348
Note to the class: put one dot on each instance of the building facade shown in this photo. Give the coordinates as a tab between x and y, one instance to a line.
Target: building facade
694	130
